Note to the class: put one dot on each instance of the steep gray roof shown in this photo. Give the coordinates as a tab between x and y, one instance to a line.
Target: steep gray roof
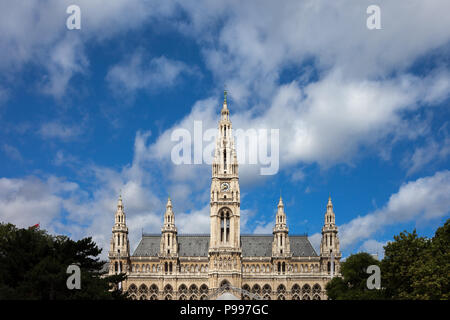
148	247
301	247
198	245
261	246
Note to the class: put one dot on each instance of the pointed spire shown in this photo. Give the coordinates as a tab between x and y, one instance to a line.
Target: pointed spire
280	203
119	202
225	112
169	203
224	106
329	204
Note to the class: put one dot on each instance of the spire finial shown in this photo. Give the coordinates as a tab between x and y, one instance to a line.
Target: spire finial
280	203
120	196
225	95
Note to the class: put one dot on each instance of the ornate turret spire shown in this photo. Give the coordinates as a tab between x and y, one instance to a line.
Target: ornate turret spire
280	245
169	217
169	245
280	223
119	251
329	245
280	203
329	215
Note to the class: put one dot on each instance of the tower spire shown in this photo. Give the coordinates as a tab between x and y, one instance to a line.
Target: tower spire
329	246
280	244
280	203
119	246
168	246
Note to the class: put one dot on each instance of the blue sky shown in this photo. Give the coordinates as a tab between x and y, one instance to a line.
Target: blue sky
363	114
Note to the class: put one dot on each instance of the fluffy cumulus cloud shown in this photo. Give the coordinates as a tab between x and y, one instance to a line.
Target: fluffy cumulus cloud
421	200
31	200
352	102
352	88
373	247
35	33
63	206
138	72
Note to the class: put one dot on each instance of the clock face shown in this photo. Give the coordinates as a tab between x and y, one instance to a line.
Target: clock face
225	186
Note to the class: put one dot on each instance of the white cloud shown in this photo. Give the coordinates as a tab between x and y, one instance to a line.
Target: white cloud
31	200
66	59
315	240
263	227
35	33
372	246
327	122
139	72
425	199
426	154
58	130
197	221
12	152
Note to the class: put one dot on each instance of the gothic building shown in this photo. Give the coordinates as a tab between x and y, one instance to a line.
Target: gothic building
192	266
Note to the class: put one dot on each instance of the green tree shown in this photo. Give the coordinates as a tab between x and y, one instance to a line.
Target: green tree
33	265
418	268
353	283
399	257
431	276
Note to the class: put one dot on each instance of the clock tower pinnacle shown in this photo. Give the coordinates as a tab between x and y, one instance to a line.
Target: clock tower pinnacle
225	248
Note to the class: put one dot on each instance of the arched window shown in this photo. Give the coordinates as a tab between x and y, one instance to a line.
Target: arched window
316	291
143	292
168	292
203	290
256	290
281	292
225	226
132	291
245	292
182	290
267	289
296	291
153	290
193	292
224	283
306	292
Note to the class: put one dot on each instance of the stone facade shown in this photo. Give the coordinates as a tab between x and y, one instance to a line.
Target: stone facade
277	266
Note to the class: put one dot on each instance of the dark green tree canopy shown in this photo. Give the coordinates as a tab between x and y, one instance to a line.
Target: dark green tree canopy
353	283
33	265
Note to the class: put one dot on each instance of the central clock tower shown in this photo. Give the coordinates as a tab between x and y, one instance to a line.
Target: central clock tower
225	248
